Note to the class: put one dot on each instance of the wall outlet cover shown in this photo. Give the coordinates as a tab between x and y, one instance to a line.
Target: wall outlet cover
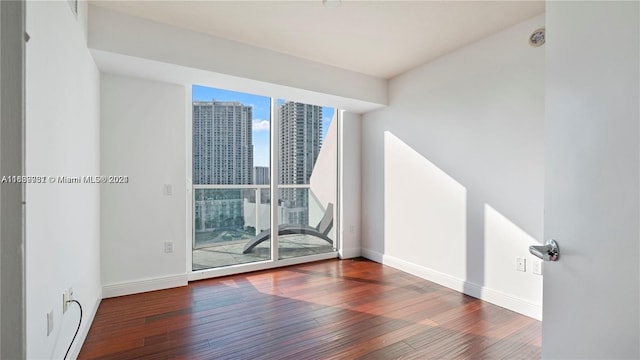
537	267
49	322
65	301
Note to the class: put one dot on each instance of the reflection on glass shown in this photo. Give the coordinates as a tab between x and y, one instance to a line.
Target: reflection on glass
307	226
307	181
231	178
224	221
230	160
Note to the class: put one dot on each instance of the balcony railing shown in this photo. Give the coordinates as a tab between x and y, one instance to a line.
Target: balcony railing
227	217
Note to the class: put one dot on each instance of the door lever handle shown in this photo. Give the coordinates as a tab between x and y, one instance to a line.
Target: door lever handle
547	252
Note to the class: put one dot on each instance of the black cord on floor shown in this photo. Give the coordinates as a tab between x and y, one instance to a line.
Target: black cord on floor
78	329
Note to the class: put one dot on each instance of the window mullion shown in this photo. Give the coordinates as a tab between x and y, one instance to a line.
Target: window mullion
273	159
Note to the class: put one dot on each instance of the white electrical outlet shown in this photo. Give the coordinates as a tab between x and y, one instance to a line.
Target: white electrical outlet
537	267
49	322
168	247
168	190
65	301
521	264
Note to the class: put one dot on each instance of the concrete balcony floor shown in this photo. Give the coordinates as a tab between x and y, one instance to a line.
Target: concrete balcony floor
230	252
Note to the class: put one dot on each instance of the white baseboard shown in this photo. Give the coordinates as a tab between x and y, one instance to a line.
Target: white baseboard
484	293
371	255
139	286
349	253
87	320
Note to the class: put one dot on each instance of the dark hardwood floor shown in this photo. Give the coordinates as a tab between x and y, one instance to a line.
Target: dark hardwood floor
335	309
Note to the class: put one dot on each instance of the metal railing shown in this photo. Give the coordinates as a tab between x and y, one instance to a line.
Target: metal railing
229	210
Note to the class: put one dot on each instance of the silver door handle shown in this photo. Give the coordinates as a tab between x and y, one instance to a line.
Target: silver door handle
547	252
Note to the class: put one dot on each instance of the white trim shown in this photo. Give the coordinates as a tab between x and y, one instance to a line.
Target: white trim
371	255
437	277
350	253
190	238
84	331
257	266
484	293
274	143
338	243
504	300
144	285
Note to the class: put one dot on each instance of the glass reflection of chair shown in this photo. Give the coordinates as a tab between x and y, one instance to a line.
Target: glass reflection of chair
321	230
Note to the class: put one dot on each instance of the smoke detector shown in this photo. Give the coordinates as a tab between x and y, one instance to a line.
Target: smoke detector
537	38
331	3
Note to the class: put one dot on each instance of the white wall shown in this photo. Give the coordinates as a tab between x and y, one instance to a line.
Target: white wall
453	170
142	137
62	139
351	137
137	218
270	72
592	293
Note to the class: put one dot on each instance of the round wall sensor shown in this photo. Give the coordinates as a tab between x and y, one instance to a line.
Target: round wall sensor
537	38
331	3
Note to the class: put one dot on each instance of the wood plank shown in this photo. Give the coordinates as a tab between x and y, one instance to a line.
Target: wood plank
340	309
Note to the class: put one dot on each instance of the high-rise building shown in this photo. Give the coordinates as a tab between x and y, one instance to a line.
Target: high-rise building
300	142
222	143
222	155
261	175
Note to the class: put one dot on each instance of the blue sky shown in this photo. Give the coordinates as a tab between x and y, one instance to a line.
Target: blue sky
261	116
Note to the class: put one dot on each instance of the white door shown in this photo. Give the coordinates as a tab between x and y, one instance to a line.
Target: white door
592	294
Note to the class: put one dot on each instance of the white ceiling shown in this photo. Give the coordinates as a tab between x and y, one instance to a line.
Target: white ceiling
377	38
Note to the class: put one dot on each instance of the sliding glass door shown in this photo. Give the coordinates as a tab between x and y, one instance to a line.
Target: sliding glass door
307	173
230	166
247	149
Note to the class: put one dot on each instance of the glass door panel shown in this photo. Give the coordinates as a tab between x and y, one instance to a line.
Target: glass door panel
230	162
307	179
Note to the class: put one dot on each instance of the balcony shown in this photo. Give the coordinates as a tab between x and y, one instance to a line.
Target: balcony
227	217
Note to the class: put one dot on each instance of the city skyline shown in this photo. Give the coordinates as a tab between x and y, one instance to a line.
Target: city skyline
261	116
222	143
223	153
300	143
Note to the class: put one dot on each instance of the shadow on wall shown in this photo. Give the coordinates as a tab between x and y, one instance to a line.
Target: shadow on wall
433	221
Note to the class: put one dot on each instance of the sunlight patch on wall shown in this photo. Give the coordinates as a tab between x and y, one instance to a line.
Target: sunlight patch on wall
425	210
504	240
